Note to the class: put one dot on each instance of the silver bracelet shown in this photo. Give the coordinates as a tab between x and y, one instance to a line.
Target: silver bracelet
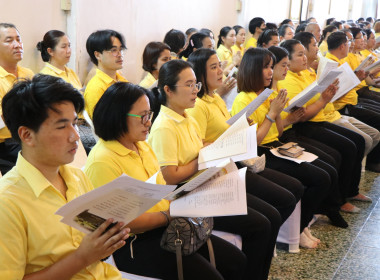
269	118
166	216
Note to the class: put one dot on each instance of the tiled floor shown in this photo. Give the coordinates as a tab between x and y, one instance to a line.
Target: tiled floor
344	254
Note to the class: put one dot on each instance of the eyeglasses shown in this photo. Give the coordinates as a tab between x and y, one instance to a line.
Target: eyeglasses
144	118
193	86
115	51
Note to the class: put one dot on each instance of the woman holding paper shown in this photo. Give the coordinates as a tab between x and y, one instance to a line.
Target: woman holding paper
326	124
176	139
258	63
227	39
122	119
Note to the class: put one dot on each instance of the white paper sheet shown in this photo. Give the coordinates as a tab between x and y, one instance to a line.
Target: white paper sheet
123	199
223	196
230	97
347	81
325	65
365	63
306	156
251	150
2	124
251	107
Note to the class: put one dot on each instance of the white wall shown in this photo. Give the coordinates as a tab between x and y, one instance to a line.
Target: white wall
33	18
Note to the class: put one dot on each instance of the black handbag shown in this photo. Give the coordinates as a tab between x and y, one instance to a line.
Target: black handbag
184	236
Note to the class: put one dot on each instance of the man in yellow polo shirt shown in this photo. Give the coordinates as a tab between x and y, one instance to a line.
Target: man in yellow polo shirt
256	27
106	49
11	52
338	45
41	115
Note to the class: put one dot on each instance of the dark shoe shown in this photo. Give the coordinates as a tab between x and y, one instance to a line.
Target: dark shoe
337	219
374	167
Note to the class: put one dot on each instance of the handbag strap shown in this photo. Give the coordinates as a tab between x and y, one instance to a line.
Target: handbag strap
178	252
211	252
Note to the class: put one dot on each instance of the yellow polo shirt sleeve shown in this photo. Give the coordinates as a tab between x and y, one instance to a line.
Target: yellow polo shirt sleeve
165	145
323	48
224	54
251	43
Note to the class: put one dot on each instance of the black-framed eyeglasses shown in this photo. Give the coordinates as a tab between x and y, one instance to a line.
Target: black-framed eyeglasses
193	86
144	118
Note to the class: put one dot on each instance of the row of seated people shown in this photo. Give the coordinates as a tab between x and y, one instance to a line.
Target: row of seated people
188	115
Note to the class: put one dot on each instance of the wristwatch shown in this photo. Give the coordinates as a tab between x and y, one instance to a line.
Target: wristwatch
269	118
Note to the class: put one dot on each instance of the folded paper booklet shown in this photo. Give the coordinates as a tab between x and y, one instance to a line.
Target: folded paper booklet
365	63
347	81
230	97
126	198
238	142
2	124
251	107
123	199
325	65
221	196
309	92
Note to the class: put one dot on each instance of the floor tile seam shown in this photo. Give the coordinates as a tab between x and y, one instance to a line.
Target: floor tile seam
356	237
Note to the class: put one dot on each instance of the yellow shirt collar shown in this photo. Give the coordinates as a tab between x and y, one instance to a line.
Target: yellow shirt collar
107	79
4	73
120	149
55	69
333	57
172	115
37	180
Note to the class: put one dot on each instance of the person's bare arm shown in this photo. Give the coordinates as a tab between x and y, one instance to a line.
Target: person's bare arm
176	174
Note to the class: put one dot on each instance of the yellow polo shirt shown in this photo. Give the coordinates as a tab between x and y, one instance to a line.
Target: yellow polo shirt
108	160
211	114
329	111
258	116
148	81
350	97
68	74
354	61
6	83
251	43
295	83
96	87
224	54
236	49
323	48
31	235
175	139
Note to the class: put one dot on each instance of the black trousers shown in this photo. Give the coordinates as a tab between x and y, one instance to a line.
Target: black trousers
317	181
366	94
370	117
350	146
8	155
330	161
152	261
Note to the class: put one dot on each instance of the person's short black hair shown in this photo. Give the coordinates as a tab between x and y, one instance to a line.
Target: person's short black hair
305	38
250	75
271	25
237	28
266	36
279	53
336	39
29	101
337	24
329	21
190	31
285	21
255	22
175	39
301	27
100	41
110	113
223	33
199	60
282	29
289	46
368	32
50	40
151	54
355	31
7	25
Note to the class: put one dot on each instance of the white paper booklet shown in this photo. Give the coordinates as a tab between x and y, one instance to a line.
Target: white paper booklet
230	97
365	63
213	172
251	107
309	92
347	81
2	124
373	66
222	196
238	142
123	199
325	65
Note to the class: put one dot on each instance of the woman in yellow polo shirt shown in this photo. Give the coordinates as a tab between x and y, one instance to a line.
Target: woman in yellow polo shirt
316	122
176	139
122	119
154	56
56	52
211	114
255	74
227	39
240	40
